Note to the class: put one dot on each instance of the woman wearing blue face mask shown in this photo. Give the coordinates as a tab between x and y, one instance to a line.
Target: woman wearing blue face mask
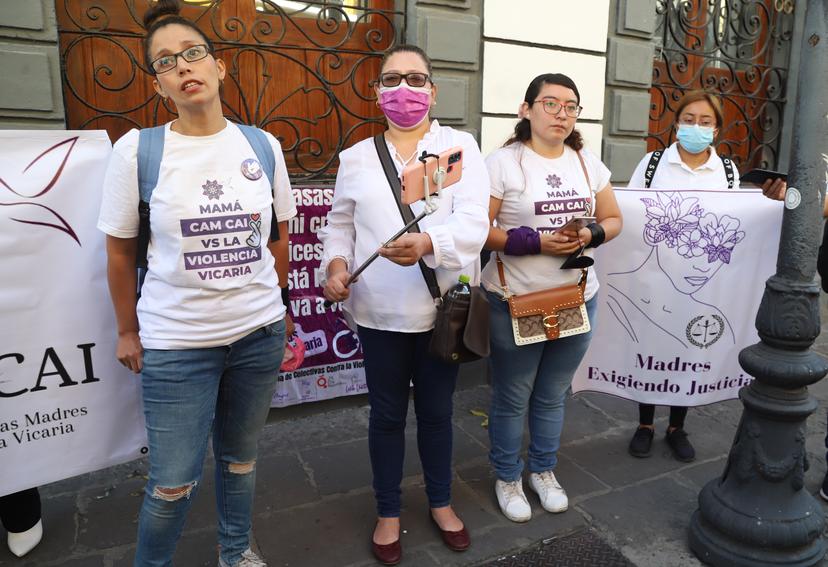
689	163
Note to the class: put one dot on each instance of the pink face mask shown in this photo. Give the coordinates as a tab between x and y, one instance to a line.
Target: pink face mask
405	106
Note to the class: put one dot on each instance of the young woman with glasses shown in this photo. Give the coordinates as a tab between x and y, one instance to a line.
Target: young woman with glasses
208	332
538	183
391	303
691	162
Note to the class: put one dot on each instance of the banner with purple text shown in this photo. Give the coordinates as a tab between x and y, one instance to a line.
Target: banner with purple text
66	406
680	288
333	356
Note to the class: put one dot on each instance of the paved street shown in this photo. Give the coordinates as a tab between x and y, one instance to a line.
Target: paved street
314	504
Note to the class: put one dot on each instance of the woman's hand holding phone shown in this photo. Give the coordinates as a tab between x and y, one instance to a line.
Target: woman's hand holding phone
559	243
775	189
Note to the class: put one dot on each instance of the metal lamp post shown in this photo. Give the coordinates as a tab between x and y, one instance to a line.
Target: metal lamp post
757	512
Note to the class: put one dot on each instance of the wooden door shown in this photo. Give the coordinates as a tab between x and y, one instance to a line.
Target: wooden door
300	70
739	50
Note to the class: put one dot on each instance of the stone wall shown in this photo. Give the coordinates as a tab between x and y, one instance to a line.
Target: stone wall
30	89
449	31
629	75
542	37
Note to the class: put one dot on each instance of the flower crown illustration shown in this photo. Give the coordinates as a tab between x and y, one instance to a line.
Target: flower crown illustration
682	224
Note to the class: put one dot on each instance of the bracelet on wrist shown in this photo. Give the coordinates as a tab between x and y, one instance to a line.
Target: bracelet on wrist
598	235
286	297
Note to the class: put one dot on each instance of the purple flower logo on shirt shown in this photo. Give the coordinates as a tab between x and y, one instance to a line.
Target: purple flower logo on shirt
212	190
682	224
553	181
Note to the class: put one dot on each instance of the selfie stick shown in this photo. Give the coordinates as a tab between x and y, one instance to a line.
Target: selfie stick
431	205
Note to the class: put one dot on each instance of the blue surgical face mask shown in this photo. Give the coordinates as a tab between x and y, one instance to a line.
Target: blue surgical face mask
694	138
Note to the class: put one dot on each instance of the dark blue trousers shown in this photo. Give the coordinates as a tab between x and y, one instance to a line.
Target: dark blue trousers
392	362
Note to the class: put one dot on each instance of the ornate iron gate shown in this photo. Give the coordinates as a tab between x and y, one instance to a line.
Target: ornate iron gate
739	49
300	70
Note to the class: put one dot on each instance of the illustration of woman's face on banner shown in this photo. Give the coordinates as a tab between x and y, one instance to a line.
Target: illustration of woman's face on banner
691	245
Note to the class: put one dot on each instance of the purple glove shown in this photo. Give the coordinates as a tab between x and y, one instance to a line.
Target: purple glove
522	241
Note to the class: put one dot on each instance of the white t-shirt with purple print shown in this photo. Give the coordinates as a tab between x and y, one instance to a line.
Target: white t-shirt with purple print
543	194
211	277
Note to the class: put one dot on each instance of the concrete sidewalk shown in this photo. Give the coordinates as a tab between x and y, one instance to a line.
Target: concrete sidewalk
314	505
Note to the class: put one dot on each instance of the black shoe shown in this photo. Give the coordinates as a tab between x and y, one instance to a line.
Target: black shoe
823	492
641	442
682	449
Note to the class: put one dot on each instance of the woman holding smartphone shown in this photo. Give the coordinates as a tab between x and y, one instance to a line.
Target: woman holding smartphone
390	302
691	162
541	179
207	341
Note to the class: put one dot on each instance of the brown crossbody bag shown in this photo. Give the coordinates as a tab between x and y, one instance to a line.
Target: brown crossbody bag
548	314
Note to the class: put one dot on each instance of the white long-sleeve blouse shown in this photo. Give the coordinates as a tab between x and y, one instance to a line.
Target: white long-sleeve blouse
364	214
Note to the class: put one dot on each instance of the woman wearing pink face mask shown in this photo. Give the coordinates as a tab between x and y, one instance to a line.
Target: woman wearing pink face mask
391	303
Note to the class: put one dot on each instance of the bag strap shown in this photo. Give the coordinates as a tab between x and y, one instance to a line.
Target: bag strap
507	294
589	184
405	211
655	157
264	153
150	151
729	175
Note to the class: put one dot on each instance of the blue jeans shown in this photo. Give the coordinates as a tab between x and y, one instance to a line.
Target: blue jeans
186	394
531	379
392	361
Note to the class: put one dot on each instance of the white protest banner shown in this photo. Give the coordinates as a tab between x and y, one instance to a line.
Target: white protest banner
66	406
680	288
333	356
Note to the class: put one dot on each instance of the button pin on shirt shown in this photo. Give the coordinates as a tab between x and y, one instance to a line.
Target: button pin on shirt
251	169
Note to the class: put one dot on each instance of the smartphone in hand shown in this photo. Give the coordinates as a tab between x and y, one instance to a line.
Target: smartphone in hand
576	223
412	182
759	176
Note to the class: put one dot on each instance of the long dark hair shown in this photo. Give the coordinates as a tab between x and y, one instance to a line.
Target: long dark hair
523	129
164	13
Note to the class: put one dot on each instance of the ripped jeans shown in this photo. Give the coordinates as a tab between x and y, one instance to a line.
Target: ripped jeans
188	393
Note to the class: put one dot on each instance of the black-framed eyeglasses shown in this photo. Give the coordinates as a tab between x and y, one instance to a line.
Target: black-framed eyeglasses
554	107
411	79
169	62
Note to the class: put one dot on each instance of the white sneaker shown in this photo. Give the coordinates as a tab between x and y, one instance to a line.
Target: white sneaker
248	559
553	498
21	543
512	500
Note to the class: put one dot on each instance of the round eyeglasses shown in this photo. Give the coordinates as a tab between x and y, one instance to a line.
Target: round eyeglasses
411	79
169	62
554	107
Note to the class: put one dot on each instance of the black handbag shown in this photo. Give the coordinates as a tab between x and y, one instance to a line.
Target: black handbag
461	330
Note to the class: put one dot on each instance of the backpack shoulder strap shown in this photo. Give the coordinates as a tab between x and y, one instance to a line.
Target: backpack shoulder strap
264	153
728	166
655	157
150	151
262	148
